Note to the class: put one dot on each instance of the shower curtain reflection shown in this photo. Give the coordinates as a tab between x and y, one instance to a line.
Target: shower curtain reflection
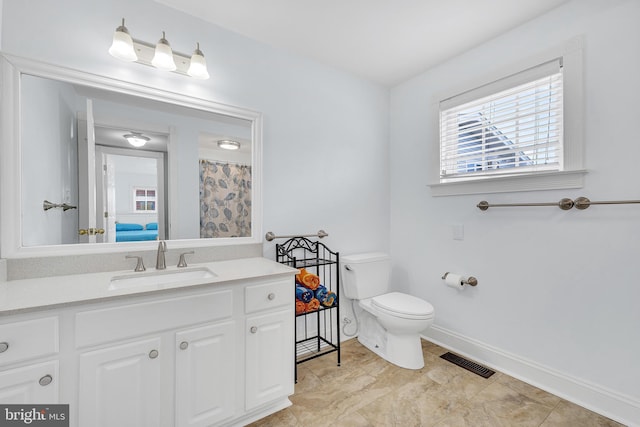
225	199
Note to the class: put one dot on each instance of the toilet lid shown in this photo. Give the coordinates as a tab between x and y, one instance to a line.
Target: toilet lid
403	304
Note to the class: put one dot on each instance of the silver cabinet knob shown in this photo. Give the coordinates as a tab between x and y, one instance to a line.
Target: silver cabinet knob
184	345
4	346
153	354
271	296
254	329
46	380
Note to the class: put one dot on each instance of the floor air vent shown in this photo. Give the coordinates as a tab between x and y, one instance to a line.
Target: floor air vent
468	365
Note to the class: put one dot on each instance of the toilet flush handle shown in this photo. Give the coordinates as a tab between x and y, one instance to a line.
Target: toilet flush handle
347	267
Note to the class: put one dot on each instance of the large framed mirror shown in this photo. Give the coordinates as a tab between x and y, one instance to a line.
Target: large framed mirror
92	164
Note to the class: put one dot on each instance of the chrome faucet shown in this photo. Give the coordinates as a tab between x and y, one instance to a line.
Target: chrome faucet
139	265
160	262
182	262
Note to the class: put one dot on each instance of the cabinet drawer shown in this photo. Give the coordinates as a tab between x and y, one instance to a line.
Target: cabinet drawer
269	295
28	340
131	320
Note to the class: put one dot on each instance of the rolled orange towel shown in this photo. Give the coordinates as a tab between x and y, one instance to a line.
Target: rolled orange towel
300	307
303	272
308	280
312	305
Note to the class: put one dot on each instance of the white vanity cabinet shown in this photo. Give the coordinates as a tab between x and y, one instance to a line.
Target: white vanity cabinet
28	361
208	353
120	385
206	364
269	357
269	339
142	354
28	384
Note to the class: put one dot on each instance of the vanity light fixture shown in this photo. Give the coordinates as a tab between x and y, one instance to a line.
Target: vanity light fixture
198	65
163	57
227	144
122	46
159	55
136	139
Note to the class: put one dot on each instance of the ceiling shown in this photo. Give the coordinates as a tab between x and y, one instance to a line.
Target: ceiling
114	137
387	41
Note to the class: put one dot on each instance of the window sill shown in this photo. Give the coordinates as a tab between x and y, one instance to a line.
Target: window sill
508	184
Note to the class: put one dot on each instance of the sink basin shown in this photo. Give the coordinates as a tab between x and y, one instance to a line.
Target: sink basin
160	278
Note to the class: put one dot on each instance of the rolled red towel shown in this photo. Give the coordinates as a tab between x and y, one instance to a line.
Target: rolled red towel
300	307
312	305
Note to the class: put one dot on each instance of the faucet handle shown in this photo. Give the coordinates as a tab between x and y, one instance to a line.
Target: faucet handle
182	262
139	265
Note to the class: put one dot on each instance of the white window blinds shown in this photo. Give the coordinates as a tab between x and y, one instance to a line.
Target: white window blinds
511	126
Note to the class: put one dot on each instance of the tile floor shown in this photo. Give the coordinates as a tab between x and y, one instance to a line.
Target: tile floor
368	391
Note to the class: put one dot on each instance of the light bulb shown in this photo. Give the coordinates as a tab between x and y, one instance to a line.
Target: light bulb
136	139
163	58
198	65
228	144
122	46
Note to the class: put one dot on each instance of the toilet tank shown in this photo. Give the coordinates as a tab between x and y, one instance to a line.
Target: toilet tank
365	275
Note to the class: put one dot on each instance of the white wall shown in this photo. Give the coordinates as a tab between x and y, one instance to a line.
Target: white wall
325	132
51	150
558	295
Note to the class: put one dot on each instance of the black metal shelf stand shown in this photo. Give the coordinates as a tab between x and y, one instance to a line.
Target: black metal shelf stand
317	333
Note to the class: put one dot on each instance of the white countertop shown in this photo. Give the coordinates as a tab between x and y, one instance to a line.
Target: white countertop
25	294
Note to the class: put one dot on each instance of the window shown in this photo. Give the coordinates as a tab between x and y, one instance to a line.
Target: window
510	131
522	132
144	200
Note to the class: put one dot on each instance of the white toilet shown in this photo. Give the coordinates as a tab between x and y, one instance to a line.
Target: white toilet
390	322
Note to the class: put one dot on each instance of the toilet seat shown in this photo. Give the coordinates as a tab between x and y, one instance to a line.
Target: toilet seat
402	305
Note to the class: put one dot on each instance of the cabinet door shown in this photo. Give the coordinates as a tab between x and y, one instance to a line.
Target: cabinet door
120	385
30	384
269	359
205	374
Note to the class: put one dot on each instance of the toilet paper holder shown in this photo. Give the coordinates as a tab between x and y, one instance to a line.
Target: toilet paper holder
471	281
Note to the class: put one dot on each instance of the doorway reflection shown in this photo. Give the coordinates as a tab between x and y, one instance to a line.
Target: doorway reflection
131	194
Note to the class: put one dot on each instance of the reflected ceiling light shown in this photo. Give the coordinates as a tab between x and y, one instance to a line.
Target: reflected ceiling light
122	46
159	55
228	144
136	139
198	65
163	57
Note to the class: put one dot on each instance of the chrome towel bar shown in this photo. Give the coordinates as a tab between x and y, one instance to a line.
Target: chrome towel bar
583	203
565	204
270	235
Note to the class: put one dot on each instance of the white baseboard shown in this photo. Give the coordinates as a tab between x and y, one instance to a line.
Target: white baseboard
621	408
